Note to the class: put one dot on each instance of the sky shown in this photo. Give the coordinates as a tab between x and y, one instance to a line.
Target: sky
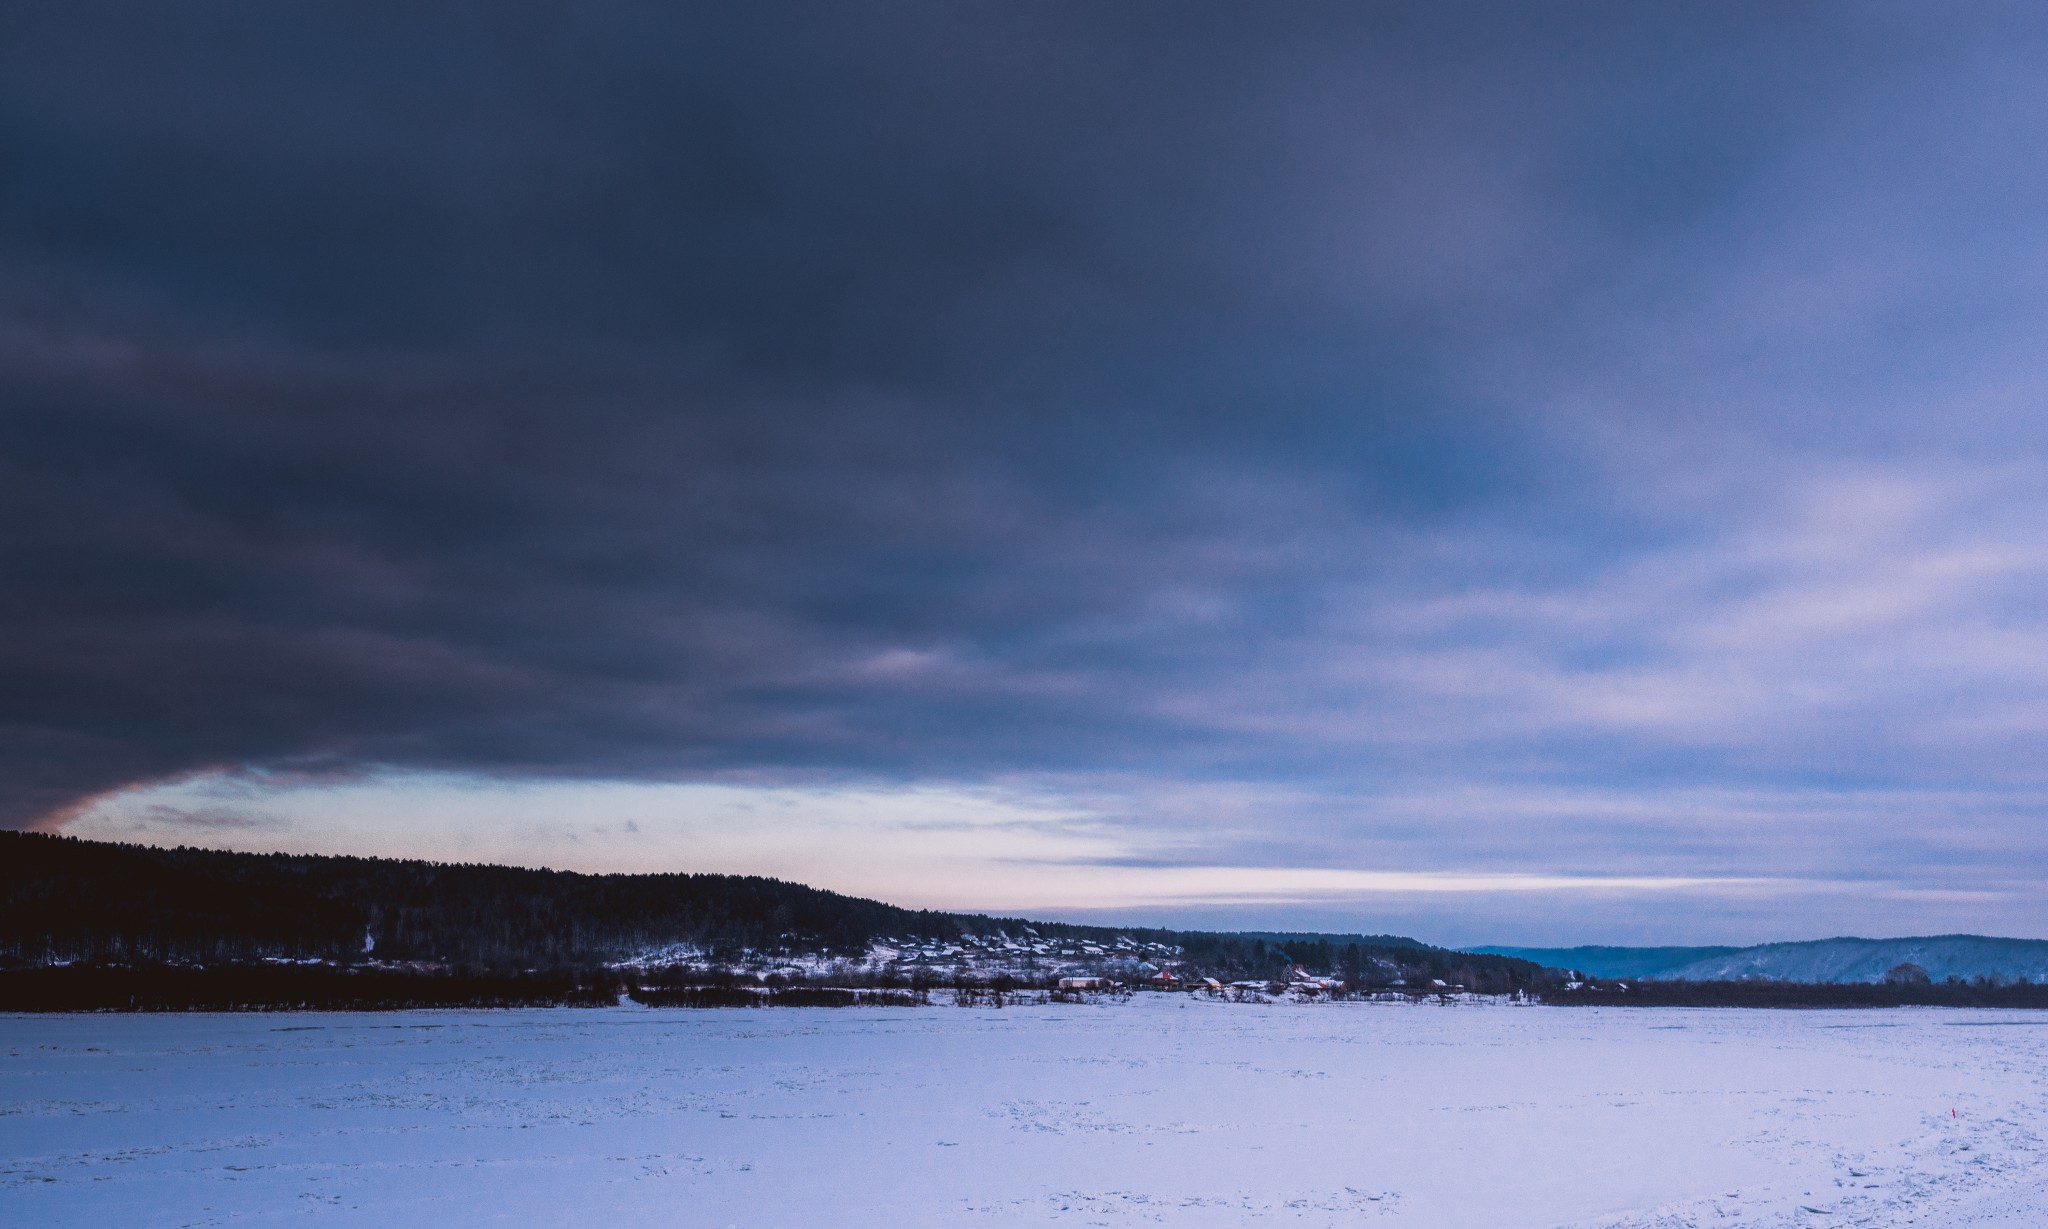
1501	473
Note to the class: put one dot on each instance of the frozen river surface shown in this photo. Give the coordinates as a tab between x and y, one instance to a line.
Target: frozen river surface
1159	1111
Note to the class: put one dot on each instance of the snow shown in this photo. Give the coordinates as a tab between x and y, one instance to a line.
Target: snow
1164	1109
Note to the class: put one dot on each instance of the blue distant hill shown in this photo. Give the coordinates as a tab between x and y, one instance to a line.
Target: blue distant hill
1611	961
1838	961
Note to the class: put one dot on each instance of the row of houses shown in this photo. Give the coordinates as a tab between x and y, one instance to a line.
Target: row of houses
1163	979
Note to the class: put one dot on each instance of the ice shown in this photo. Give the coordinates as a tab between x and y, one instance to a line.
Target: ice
1165	1109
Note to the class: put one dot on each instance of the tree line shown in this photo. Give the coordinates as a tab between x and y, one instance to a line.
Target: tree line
64	899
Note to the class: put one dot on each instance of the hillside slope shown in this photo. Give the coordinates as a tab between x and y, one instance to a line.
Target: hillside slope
1611	961
1866	960
64	900
68	899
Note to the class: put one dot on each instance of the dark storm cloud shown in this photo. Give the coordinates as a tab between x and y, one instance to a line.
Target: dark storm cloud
670	392
580	393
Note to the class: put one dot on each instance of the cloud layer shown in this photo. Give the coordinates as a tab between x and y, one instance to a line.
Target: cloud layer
1384	440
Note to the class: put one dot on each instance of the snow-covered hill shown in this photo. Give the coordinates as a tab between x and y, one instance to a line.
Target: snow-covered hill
1866	960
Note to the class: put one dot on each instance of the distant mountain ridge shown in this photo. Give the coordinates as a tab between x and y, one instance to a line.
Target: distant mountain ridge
1867	960
1818	961
1611	961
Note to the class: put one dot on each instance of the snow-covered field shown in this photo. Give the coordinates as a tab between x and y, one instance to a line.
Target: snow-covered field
1162	1110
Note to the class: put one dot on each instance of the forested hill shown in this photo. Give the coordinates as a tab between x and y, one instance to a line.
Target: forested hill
64	900
67	899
